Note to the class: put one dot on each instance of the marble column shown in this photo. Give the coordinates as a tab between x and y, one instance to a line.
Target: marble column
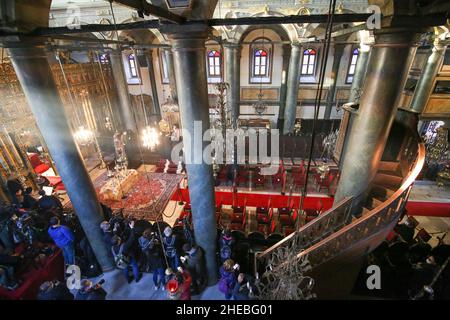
388	67
360	73
425	84
232	54
122	90
293	81
172	77
283	87
355	91
151	72
338	50
188	47
36	79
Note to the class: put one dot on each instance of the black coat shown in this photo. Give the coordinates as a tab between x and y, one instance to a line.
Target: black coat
93	294
58	292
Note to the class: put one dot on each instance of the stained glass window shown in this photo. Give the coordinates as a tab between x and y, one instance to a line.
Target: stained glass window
104	58
214	63
132	65
352	66
309	62
260	62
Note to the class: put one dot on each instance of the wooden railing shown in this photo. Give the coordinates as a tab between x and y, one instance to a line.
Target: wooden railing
332	233
370	224
327	223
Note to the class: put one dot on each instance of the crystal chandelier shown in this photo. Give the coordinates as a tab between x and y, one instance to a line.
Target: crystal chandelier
150	138
84	136
260	106
224	121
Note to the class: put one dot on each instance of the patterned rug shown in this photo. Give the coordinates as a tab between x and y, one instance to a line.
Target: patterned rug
147	198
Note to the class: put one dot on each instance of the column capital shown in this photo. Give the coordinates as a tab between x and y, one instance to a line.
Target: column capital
397	37
296	45
115	52
186	32
232	45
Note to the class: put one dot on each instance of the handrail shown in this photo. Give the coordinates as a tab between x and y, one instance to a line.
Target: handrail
327	216
386	207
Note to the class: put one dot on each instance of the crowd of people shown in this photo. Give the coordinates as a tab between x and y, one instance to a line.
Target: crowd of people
410	267
176	262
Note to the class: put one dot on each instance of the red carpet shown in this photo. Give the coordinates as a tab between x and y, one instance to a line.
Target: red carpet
429	209
147	198
261	200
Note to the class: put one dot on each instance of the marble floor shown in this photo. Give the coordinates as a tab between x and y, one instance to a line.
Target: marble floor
429	191
117	288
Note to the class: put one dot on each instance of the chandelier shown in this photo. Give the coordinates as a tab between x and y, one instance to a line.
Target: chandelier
84	136
150	138
260	106
437	146
329	144
221	108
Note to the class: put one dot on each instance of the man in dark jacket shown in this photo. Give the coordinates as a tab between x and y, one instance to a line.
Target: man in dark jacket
194	262
8	267
49	203
54	290
6	238
90	292
244	289
13	184
64	239
127	250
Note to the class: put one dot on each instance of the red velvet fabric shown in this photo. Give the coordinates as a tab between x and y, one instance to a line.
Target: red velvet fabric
53	268
261	200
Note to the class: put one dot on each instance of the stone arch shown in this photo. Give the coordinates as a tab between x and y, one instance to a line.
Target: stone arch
286	31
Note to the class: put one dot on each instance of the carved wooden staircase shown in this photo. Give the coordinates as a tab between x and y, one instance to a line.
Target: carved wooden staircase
336	242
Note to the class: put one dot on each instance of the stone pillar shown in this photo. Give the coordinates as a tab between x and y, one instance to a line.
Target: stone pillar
283	87
360	73
172	78
36	79
426	81
338	50
388	67
188	47
151	72
293	81
122	90
355	91
232	54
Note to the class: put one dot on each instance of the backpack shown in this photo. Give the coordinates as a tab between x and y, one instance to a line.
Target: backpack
223	285
170	246
121	260
225	250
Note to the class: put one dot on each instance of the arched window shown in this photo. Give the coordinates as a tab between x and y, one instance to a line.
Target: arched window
104	58
214	63
309	62
352	66
132	65
260	63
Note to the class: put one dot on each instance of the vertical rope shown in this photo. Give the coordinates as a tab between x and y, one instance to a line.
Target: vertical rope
324	60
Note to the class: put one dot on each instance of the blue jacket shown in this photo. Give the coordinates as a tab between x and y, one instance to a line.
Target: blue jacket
62	235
